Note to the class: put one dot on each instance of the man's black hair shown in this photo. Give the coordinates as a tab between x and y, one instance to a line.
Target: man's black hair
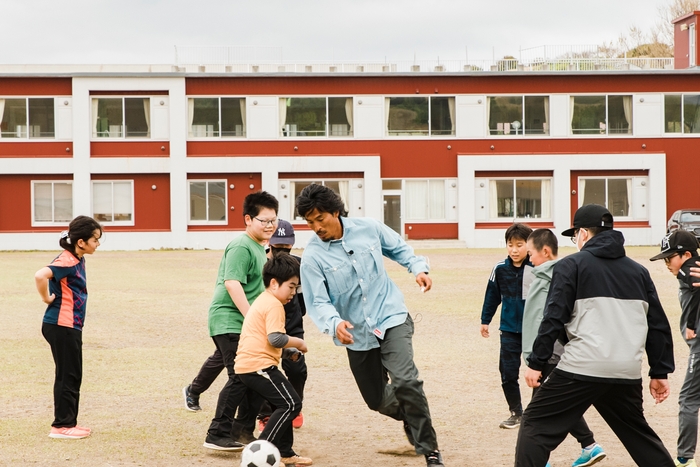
255	202
518	231
322	198
281	268
544	237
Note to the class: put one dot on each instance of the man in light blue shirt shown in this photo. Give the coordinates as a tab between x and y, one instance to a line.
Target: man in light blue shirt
349	295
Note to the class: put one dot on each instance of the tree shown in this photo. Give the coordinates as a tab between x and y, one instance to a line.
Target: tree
671	10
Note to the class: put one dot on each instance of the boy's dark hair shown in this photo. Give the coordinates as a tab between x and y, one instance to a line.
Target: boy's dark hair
544	237
320	197
281	268
255	202
81	228
593	231
518	231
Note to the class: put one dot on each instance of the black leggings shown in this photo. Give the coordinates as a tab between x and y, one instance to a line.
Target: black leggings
67	350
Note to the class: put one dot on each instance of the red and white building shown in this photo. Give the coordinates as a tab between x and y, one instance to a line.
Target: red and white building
163	156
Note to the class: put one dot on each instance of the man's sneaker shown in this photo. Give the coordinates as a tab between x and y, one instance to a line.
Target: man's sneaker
222	444
688	463
191	400
69	433
296	460
244	437
261	423
409	433
434	459
298	421
512	422
590	456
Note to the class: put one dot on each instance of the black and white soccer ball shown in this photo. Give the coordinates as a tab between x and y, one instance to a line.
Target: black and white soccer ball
260	453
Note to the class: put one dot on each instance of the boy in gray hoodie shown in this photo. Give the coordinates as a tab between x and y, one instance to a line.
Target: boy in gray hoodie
543	248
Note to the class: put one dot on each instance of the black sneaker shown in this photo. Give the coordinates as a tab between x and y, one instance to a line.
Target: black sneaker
244	437
191	401
512	422
222	444
434	458
409	434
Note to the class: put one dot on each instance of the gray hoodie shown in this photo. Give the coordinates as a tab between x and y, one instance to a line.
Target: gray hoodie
534	308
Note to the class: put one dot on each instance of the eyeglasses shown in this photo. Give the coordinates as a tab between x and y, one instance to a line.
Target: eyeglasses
266	222
668	260
573	237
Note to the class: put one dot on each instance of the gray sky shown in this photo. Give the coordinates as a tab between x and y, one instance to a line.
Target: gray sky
146	31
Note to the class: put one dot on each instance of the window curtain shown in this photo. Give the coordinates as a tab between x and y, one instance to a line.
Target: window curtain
95	115
572	105
242	103
283	114
546	199
629	195
451	107
348	113
546	117
436	199
493	199
122	201
416	196
147	114
190	112
581	191
344	188
488	114
2	111
387	106
627	107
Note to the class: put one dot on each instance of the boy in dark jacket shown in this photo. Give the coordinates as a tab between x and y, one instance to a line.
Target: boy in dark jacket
505	288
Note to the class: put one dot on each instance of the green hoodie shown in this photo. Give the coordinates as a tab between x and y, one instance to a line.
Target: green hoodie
534	304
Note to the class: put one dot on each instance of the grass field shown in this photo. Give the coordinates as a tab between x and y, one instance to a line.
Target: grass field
146	336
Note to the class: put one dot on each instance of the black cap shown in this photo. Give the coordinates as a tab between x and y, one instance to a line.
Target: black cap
677	242
590	215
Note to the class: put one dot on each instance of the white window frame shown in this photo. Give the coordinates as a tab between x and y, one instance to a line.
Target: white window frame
122	132
450	198
27	131
603	131
682	122
631	194
190	116
112	182
521	130
328	133
53	222
429	133
692	60
289	184
487	201
207	181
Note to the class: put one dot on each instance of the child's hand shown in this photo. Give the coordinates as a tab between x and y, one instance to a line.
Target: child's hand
49	300
532	378
302	348
484	330
689	334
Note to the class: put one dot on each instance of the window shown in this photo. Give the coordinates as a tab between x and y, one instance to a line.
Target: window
613	193
52	202
113	202
27	118
507	199
601	115
208	202
121	117
420	116
341	187
315	116
217	117
518	115
425	200
682	113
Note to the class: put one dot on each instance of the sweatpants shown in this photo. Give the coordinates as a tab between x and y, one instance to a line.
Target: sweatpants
509	367
561	402
296	373
689	404
67	350
272	386
389	384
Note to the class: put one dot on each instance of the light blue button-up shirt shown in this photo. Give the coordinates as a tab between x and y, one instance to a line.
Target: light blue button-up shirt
345	280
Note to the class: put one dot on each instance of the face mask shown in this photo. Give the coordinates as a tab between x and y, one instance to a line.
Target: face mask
278	251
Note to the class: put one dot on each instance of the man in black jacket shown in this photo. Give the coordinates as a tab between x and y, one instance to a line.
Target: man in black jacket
609	309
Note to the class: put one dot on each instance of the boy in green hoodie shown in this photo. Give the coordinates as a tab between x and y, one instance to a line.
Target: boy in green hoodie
543	248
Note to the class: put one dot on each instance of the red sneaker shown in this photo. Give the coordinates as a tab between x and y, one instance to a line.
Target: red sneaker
261	423
298	422
69	433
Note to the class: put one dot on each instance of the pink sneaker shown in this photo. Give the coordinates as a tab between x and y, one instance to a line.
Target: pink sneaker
298	421
69	433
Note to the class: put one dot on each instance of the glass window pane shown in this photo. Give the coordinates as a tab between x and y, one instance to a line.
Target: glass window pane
691	114
41	118
205	117
442	116
589	115
504	197
618	197
102	201
436	199
43	196
391	184
297	188
619	114
536	112
408	116
593	191
416	199
672	114
137	114
217	201
123	203
14	119
305	116
109	118
506	115
198	201
340	116
528	198
63	202
232	121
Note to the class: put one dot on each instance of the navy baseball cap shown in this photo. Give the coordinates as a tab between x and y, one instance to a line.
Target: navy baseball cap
284	235
590	215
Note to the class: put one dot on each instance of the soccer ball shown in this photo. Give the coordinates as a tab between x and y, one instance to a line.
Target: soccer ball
260	453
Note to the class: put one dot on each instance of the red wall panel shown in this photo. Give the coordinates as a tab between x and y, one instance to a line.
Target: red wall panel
431	231
36	86
130	149
36	149
242	183
16	203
